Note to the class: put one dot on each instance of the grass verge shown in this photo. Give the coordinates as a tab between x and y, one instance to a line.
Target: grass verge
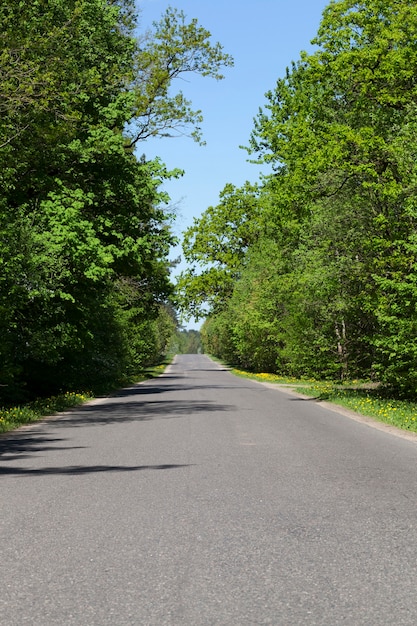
13	417
363	398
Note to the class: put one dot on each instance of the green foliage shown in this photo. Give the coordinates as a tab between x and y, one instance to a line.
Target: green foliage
174	48
186	342
327	287
255	310
16	416
219	240
83	226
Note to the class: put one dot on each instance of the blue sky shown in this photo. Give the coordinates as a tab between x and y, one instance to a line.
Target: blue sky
263	37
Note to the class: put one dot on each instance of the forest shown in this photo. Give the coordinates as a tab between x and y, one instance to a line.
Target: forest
85	227
312	270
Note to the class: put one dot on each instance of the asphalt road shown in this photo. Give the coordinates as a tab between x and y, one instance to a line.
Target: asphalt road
200	498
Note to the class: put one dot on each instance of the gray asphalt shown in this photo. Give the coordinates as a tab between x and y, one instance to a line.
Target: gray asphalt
200	498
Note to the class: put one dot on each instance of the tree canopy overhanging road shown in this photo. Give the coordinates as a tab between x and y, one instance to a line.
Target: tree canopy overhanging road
200	498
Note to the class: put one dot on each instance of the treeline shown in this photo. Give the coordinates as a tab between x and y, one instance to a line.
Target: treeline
313	271
186	342
84	228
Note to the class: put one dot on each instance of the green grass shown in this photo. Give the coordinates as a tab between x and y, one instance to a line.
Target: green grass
361	397
13	417
271	378
370	402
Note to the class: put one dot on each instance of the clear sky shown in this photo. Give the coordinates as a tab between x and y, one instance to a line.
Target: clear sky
263	37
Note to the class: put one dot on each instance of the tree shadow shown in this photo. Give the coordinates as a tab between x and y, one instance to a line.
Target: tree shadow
127	405
77	470
321	398
143	390
215	370
22	446
125	408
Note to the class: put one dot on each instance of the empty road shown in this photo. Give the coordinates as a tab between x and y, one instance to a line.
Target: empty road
200	498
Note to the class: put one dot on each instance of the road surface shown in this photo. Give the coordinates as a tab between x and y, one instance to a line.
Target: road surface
200	498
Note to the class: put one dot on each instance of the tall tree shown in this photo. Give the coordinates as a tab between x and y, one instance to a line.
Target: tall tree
339	133
85	236
218	242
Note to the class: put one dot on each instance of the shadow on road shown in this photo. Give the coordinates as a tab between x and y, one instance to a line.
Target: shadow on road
23	446
77	470
128	405
215	370
114	411
309	399
143	390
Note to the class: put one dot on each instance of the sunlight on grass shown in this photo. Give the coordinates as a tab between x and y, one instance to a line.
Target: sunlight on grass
369	402
264	377
360	397
11	418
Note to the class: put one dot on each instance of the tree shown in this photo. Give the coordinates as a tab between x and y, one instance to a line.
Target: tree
85	232
218	241
174	48
186	342
339	133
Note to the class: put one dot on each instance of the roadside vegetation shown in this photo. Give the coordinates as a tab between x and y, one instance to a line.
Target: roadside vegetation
363	397
85	224
312	271
186	342
15	416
